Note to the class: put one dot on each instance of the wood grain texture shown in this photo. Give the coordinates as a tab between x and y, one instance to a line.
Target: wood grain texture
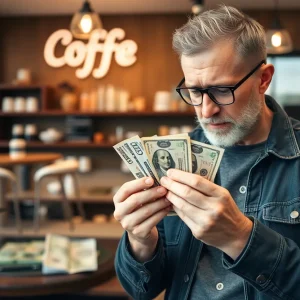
30	158
157	66
58	284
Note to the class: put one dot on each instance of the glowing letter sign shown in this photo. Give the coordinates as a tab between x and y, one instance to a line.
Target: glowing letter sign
78	53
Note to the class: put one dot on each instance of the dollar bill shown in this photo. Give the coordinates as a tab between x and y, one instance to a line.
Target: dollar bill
63	255
168	152
153	156
206	159
56	258
136	170
22	252
134	155
83	256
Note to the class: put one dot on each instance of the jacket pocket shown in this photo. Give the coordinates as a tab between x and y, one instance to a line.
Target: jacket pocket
284	218
283	212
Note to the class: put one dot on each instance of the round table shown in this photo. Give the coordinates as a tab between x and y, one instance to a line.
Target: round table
30	158
12	285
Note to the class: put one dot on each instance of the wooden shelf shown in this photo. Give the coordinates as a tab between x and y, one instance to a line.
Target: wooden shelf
85	197
58	113
40	145
7	86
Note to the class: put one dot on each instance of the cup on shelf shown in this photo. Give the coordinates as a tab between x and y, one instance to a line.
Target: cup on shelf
23	76
17	148
123	100
119	133
7	104
32	104
186	128
174	130
20	104
130	134
50	135
17	131
163	130
98	137
162	101
31	132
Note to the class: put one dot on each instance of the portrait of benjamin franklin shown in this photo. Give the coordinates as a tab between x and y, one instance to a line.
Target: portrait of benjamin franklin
162	162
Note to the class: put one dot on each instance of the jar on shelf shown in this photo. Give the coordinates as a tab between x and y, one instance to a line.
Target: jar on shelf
68	101
17	148
7	104
67	97
31	133
17	131
32	104
20	104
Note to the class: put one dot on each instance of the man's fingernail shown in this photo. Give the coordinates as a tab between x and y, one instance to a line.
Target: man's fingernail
163	180
160	190
148	181
169	172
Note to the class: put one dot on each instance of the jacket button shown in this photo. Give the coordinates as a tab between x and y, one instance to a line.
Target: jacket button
186	278
294	214
261	279
220	286
242	189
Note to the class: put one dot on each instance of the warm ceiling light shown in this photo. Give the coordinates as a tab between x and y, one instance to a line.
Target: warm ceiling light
278	39
85	21
197	6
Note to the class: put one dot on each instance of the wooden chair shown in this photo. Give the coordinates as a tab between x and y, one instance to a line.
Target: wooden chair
59	169
10	176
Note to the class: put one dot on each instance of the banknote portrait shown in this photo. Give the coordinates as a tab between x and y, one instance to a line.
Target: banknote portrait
162	161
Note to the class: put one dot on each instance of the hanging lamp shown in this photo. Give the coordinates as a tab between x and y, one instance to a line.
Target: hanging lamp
278	39
197	7
85	21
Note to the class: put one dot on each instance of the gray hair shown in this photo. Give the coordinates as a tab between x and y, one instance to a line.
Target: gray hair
224	23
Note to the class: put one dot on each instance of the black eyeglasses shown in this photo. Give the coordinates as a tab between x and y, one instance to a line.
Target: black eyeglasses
221	95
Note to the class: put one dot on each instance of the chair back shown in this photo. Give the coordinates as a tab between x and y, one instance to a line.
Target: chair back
58	168
7	174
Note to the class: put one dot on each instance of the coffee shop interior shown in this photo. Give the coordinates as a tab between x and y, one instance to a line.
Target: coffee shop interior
76	78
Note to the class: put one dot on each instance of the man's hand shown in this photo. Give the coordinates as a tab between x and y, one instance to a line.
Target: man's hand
139	208
209	211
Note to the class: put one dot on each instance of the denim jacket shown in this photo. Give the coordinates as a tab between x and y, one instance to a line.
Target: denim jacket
270	262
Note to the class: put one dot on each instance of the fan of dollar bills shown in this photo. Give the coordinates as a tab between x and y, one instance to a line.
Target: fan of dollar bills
153	156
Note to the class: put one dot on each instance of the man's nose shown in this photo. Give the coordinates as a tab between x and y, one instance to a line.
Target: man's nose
208	107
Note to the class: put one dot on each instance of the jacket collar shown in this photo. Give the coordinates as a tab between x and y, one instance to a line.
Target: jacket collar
281	141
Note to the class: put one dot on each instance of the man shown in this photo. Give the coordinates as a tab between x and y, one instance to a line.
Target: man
237	238
162	162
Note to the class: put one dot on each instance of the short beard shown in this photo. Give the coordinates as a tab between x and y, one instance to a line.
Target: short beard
240	128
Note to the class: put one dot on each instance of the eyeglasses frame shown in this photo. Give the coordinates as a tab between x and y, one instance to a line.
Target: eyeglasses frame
206	90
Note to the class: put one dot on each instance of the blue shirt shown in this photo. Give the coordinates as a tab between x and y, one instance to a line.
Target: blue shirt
212	280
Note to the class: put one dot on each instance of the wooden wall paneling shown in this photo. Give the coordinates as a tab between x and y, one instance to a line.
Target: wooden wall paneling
1	52
24	41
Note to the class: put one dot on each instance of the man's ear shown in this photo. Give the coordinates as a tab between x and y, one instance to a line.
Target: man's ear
266	76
